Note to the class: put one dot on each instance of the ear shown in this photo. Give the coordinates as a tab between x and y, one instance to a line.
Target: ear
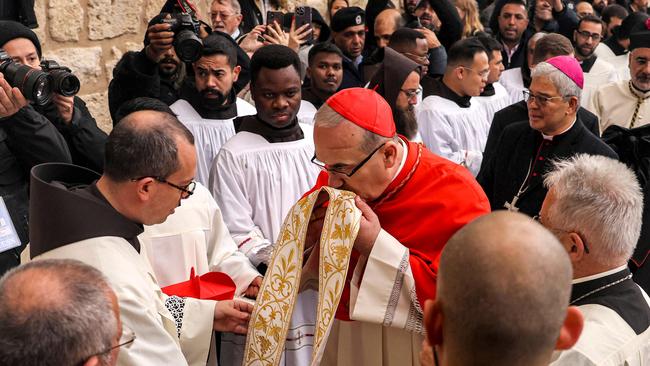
235	72
239	18
460	72
145	188
433	322
390	154
575	35
93	361
571	329
576	247
574	104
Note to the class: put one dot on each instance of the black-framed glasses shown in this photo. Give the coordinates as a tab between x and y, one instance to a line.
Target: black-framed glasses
324	166
542	100
538	218
483	74
595	36
186	190
126	340
411	93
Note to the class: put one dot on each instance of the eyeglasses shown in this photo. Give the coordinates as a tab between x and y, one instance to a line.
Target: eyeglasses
126	340
346	173
422	60
538	218
411	93
540	99
595	36
483	74
186	190
222	15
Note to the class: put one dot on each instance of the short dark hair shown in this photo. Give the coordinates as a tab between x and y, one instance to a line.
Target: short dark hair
325	47
142	104
134	151
613	11
551	45
516	2
591	19
63	328
274	57
462	52
217	44
489	43
404	38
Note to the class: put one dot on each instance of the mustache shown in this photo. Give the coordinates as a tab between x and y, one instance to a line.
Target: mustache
331	80
211	91
168	59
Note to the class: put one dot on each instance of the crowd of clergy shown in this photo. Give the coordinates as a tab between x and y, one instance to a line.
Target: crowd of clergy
497	150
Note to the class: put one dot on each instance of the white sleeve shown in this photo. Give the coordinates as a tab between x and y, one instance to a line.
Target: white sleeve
223	255
197	330
382	289
228	188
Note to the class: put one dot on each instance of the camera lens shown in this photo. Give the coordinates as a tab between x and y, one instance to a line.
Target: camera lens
34	84
64	83
188	46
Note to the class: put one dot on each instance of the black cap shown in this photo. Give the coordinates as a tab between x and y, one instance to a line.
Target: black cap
348	17
10	30
631	24
640	38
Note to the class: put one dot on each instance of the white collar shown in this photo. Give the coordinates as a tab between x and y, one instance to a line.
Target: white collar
598	275
405	152
235	34
547	137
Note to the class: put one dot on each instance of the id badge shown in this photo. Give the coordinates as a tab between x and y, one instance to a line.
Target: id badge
8	237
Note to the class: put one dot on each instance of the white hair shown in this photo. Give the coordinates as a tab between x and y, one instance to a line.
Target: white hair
601	199
564	85
234	4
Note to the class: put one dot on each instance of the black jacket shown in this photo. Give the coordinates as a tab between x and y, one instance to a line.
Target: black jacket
519	112
27	138
352	76
521	159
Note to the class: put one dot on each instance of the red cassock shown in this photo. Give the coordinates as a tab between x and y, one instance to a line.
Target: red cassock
422	208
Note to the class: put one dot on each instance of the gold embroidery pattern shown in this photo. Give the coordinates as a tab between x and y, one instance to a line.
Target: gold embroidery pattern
272	314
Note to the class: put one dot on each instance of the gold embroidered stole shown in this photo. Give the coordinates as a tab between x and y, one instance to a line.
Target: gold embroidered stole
271	316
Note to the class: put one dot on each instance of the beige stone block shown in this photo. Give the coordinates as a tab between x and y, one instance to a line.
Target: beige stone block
116	55
112	18
97	103
41	17
65	18
83	61
152	9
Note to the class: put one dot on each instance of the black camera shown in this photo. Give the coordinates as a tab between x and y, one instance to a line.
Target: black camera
34	84
62	80
187	44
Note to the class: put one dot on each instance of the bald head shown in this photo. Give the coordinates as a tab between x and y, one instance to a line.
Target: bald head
386	23
503	289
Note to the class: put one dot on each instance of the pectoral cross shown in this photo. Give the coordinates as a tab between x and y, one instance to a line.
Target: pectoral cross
512	206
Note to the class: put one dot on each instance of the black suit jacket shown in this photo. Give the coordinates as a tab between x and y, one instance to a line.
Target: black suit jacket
504	170
519	112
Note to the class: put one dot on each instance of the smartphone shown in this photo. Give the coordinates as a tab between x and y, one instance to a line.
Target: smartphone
274	16
303	16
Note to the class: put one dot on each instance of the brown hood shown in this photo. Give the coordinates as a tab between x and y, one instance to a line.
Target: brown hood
390	77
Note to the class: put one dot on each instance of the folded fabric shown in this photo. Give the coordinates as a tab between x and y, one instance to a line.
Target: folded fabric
210	286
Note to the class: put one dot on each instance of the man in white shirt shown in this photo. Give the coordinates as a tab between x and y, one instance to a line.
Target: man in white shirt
594	207
494	96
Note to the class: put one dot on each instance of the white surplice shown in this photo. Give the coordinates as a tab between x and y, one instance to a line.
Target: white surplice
621	63
306	112
494	103
209	134
614	104
601	73
195	236
458	134
512	80
256	183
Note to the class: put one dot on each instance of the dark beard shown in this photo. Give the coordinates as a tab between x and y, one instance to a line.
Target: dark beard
212	103
406	123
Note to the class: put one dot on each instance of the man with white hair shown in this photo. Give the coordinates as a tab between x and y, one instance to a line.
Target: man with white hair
511	173
594	207
226	17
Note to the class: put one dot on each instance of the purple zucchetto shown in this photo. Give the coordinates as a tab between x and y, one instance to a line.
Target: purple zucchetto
569	67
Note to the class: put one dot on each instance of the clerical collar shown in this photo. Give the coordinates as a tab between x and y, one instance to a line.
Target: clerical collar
272	134
598	275
613	45
587	64
550	138
207	111
488	91
440	89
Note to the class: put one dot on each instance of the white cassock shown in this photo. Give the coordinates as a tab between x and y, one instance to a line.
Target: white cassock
195	236
306	113
614	104
458	134
621	63
512	80
256	183
494	103
601	73
209	134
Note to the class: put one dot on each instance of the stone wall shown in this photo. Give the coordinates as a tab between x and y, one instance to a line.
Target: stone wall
90	36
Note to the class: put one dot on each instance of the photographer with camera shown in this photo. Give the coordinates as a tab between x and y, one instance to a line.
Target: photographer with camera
52	96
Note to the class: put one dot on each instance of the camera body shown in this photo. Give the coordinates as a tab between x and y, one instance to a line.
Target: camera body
61	78
34	84
187	44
